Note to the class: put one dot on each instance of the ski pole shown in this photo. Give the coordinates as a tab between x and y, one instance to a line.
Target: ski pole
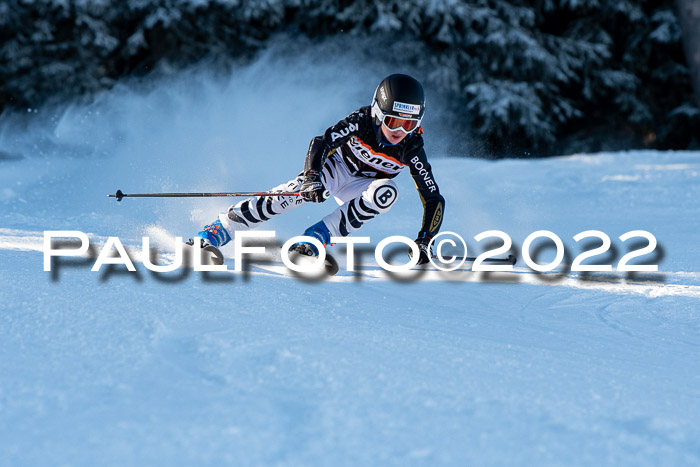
120	195
509	260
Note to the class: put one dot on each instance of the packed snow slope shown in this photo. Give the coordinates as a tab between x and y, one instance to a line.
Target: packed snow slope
120	368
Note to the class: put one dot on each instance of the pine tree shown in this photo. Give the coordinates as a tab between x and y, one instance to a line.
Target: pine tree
527	77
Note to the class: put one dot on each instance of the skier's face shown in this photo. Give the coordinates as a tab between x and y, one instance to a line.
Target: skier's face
394	137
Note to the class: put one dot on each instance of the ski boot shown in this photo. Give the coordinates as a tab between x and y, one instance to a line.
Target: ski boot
320	232
215	234
210	239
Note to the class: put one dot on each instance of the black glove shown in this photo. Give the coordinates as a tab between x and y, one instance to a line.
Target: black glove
424	250
312	188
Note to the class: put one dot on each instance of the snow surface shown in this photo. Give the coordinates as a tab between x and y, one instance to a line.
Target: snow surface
119	368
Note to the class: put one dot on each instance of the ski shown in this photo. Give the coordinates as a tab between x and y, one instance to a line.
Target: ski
331	265
510	259
213	256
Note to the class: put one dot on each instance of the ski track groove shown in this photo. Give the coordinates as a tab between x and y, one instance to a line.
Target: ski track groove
603	314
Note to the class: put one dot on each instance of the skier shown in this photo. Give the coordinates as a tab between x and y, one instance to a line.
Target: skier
354	161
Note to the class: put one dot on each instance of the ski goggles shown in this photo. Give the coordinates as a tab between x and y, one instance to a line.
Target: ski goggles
407	125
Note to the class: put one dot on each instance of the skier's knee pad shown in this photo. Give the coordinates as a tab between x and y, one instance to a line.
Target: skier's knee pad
381	194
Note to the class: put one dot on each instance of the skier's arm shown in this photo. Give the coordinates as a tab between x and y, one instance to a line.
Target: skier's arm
433	201
335	136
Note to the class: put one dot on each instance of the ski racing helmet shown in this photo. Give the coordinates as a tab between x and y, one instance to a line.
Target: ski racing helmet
398	103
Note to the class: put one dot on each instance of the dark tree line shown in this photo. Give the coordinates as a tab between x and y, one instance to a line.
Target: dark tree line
527	77
689	14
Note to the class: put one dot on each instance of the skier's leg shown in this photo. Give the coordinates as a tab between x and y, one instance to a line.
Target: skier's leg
372	197
251	212
377	198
